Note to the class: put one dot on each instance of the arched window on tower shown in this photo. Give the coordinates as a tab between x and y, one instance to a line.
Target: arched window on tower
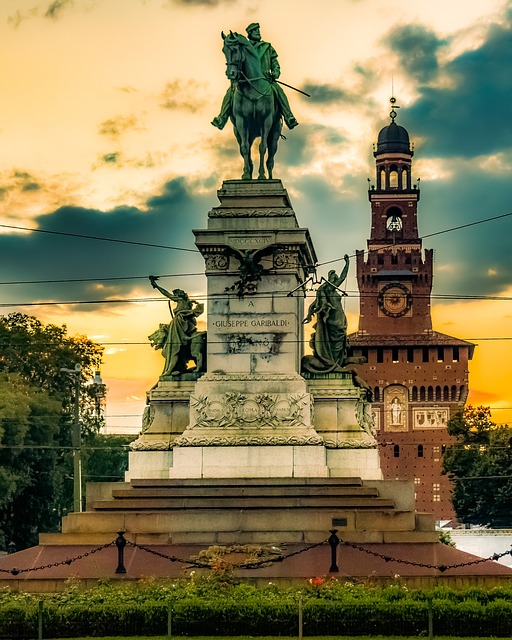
394	223
415	394
406	182
376	394
396	451
420	451
381	179
393	177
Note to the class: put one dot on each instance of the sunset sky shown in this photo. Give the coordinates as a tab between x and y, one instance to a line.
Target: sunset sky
105	131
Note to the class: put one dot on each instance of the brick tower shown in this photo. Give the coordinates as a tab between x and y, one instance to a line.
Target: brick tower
419	376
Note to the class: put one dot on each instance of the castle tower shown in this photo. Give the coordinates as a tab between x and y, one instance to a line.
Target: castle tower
419	376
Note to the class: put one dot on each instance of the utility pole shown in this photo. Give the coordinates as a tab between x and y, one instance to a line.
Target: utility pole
76	440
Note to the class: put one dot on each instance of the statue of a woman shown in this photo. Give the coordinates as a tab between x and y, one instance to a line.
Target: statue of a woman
180	340
329	341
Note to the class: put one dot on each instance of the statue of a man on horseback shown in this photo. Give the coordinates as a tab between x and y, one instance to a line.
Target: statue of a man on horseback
271	70
255	102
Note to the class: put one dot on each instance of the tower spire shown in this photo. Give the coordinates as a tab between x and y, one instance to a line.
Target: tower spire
393	114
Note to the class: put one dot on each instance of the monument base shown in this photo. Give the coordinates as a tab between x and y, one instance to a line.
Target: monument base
249	462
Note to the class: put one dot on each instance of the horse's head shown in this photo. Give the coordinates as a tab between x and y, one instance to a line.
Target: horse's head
234	52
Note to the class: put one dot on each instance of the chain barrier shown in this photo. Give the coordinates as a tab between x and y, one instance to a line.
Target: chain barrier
240	565
439	567
68	561
333	541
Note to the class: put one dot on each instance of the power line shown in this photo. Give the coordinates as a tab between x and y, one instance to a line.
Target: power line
106	279
262	296
159	246
428	235
101	238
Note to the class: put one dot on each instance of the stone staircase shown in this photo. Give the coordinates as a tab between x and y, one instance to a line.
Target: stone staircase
254	510
257	493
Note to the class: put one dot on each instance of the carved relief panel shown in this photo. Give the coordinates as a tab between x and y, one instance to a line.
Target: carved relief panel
396	405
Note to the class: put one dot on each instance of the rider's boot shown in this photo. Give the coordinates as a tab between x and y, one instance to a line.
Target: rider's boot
291	122
220	121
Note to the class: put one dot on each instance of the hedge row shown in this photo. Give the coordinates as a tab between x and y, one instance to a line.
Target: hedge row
203	617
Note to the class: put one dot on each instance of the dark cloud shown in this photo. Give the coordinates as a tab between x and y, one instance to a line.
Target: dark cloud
17	181
17	18
417	48
184	95
111	158
469	115
119	160
327	93
201	3
56	7
115	127
302	143
476	260
166	219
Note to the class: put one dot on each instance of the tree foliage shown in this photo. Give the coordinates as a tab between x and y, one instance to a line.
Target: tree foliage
37	402
480	464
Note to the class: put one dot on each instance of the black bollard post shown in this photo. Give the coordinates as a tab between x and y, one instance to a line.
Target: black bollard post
334	542
120	544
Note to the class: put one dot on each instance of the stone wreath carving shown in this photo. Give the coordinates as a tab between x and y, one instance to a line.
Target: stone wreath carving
216	262
256	411
286	260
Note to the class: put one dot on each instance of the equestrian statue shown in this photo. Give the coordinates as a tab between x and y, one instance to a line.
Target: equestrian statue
255	102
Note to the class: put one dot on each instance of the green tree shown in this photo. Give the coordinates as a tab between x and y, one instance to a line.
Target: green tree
37	402
105	457
480	465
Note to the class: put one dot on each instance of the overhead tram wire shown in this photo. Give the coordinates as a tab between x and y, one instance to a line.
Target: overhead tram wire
102	279
160	246
100	238
226	296
428	235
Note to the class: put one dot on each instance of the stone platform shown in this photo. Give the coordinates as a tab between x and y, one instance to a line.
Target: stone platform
250	510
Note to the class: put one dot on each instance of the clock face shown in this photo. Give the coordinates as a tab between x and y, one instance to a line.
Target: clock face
395	300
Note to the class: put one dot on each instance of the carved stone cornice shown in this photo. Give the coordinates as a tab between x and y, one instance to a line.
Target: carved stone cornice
263	212
246	440
140	445
349	444
257	377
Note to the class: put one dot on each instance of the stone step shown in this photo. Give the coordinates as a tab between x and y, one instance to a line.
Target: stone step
241	503
245	482
244	492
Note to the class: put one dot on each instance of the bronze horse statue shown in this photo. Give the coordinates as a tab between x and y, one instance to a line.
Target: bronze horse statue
255	110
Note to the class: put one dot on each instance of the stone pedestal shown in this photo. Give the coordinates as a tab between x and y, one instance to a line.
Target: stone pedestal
252	414
342	418
165	418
